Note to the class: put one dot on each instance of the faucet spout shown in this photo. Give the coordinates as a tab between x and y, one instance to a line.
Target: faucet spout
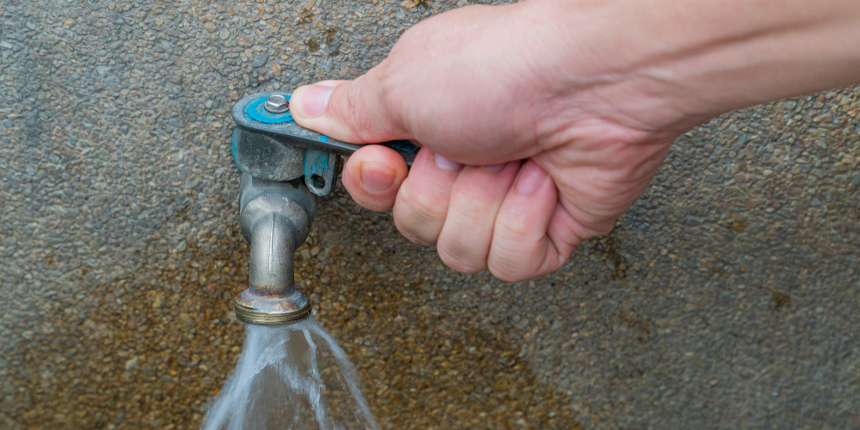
271	271
275	218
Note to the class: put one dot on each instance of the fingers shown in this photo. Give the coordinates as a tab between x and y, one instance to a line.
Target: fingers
533	235
373	175
476	196
506	218
352	111
422	202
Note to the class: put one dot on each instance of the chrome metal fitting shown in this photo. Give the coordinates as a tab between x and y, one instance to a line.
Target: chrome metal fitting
277	103
275	218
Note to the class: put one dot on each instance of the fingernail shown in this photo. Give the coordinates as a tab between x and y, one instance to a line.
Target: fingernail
495	168
531	178
376	178
446	164
315	100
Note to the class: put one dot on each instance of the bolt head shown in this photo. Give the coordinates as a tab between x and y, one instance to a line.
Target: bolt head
277	103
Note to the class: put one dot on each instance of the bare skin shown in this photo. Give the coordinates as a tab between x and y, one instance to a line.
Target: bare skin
541	122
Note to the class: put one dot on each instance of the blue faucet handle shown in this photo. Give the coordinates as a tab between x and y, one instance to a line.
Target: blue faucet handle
255	114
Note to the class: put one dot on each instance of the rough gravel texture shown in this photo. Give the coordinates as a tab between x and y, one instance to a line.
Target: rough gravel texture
728	296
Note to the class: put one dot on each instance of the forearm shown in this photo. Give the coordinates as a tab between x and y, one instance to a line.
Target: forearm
764	50
692	60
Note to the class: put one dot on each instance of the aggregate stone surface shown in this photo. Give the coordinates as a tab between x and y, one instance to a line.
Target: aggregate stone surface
727	297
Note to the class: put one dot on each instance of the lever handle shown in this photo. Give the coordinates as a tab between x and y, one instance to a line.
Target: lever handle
253	115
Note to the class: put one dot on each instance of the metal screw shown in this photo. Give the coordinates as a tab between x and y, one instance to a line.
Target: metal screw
277	103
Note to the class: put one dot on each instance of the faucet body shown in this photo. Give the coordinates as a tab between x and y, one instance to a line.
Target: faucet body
284	166
275	218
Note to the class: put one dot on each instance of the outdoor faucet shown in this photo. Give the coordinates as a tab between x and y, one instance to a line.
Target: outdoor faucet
284	168
275	218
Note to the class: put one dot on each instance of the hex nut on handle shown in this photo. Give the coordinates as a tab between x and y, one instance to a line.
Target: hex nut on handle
277	103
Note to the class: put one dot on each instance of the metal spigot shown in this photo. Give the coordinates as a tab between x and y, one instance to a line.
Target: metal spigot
284	166
275	218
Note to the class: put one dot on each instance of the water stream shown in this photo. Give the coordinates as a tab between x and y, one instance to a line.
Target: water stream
294	377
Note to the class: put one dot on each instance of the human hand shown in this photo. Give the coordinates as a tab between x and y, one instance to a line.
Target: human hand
536	132
469	88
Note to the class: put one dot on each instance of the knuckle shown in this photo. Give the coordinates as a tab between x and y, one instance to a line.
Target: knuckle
506	273
510	261
455	260
386	70
415	237
514	230
422	235
419	216
599	226
350	108
423	208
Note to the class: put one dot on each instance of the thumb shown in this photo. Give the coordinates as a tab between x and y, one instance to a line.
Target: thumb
352	111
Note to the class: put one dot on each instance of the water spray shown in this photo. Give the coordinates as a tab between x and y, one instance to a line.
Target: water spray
285	166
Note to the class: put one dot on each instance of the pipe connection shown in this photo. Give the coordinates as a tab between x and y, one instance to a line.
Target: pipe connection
275	218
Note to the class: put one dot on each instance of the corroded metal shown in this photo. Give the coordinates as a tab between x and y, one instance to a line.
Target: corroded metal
275	218
253	308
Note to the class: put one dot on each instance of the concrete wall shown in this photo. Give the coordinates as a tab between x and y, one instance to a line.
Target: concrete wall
726	297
